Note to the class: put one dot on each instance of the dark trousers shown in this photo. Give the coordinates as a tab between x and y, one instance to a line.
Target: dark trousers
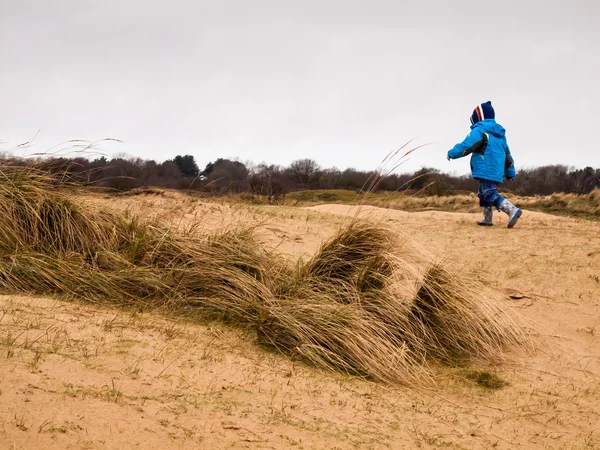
488	194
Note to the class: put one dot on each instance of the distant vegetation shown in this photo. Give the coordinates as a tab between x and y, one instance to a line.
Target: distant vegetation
225	176
586	206
551	189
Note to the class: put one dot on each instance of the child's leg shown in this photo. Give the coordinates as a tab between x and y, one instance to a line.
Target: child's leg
488	217
513	212
486	204
491	195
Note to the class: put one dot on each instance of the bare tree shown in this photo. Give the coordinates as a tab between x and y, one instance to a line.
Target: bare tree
302	169
267	181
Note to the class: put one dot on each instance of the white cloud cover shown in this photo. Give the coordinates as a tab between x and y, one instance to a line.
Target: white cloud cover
342	82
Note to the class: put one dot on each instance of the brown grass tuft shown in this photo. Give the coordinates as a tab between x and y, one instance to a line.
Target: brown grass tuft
383	328
457	320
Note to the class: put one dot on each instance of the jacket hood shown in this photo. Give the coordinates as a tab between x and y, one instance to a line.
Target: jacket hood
491	126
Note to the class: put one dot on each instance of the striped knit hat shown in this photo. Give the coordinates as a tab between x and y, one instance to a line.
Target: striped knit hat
482	112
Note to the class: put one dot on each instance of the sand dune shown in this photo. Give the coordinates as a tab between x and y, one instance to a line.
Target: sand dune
84	376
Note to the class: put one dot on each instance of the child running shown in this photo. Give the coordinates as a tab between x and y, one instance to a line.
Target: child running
491	163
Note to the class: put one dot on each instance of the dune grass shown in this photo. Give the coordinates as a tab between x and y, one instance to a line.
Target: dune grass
582	206
361	305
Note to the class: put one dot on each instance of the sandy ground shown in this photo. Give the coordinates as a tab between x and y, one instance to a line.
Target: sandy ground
85	376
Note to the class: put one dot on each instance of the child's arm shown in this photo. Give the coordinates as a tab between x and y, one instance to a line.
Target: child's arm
472	142
509	166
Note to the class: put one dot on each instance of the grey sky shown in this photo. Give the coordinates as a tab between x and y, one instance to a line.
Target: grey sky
342	82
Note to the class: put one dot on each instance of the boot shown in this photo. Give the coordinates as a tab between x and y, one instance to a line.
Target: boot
513	212
488	213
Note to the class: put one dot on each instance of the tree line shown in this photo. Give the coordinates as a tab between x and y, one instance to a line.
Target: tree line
225	176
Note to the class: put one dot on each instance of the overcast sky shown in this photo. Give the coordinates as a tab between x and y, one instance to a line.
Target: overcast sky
342	82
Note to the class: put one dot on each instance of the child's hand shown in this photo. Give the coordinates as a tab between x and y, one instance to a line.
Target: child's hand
448	158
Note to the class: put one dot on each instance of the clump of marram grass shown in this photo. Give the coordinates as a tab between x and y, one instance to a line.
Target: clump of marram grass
228	274
456	320
352	307
339	336
51	244
32	218
335	311
358	255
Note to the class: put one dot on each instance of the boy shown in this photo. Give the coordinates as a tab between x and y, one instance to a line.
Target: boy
491	163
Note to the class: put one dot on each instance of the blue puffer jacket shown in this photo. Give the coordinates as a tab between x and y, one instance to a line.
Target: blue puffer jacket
490	156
